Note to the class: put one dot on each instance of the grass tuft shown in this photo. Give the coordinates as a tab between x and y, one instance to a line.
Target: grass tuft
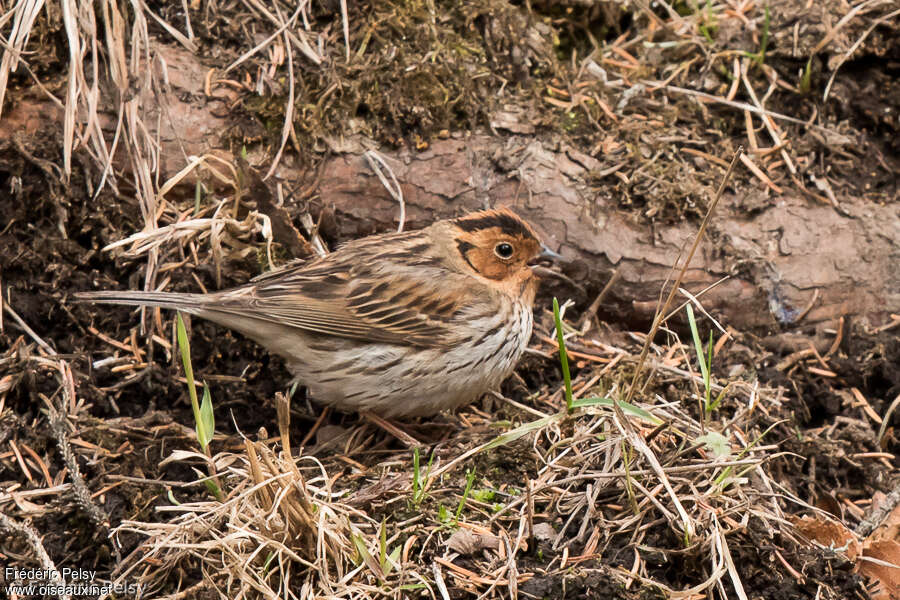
420	480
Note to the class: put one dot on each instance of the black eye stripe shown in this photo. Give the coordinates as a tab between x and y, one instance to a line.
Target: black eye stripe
464	248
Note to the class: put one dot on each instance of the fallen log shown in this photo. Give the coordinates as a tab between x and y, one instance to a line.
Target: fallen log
789	264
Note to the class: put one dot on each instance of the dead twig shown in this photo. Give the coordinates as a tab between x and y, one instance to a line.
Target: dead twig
657	321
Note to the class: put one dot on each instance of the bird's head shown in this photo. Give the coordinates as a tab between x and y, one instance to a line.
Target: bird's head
497	245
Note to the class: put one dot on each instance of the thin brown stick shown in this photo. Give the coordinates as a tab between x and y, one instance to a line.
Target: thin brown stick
657	321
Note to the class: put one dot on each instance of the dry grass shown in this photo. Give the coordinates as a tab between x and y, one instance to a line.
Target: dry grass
290	527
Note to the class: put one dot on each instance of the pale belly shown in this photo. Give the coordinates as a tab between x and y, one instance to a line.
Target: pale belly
401	381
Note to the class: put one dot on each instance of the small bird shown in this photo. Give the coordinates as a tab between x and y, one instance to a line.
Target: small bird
399	324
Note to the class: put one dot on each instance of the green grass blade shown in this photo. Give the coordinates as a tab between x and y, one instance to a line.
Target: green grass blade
417	478
523	430
470	480
563	356
197	197
717	443
698	345
206	426
361	549
393	559
520	431
213	489
764	43
707	381
382	545
627	408
184	345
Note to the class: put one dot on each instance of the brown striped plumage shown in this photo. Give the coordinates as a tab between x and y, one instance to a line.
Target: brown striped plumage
400	324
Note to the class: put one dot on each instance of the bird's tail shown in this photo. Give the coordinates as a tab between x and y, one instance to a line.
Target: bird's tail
187	302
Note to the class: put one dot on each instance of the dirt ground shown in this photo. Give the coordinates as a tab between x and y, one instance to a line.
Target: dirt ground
531	516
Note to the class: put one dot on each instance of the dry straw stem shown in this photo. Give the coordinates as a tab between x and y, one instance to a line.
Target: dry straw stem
298	38
860	9
663	311
262	523
599	473
770	126
634	439
279	532
266	520
28	330
284	532
376	163
188	228
287	127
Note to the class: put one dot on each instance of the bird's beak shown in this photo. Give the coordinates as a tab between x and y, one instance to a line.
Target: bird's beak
544	255
548	253
542	270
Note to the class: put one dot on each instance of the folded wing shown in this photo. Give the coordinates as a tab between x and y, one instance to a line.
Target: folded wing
374	302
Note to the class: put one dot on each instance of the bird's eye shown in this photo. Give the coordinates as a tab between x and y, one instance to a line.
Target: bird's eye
503	250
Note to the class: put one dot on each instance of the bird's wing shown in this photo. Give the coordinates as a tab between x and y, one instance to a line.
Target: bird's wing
402	304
